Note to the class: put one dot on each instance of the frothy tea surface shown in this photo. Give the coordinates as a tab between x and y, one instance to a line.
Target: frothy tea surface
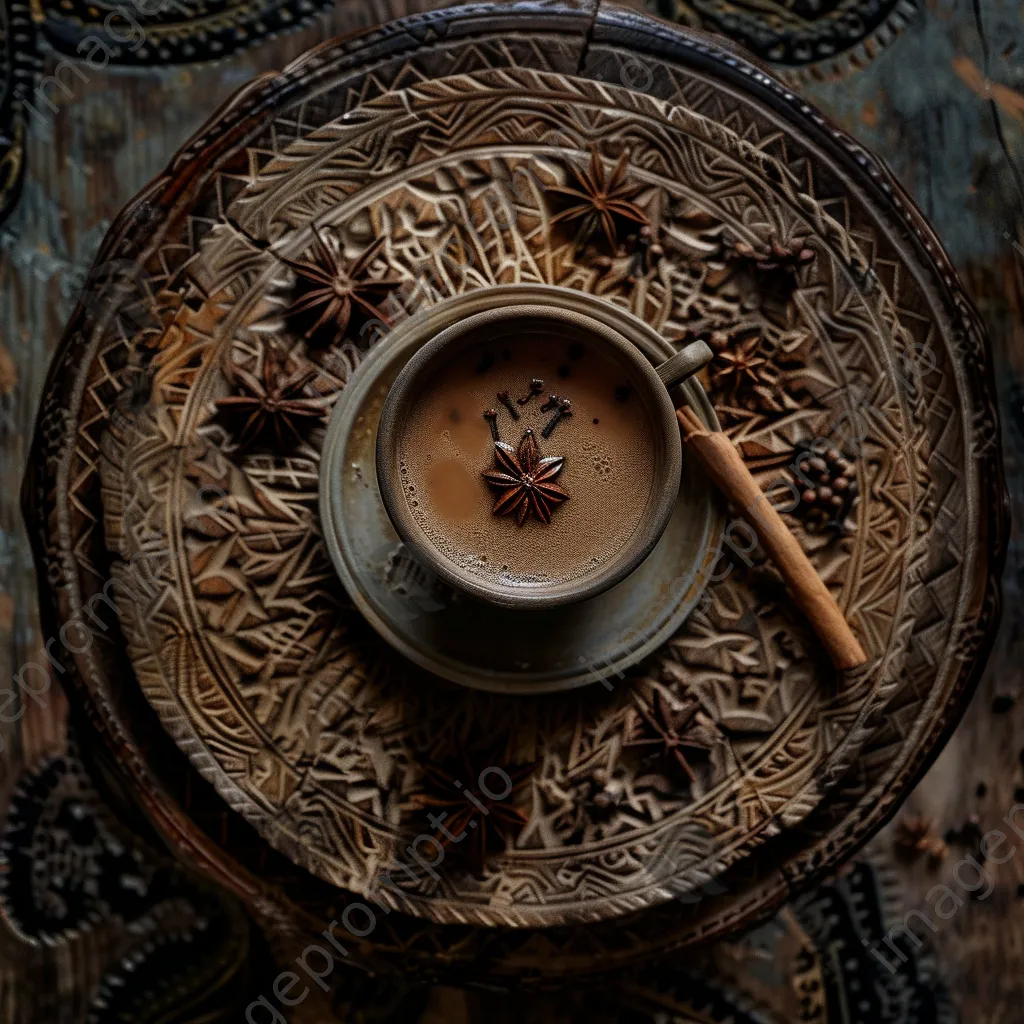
607	444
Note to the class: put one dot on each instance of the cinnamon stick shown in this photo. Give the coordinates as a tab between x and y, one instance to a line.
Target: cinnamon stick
726	467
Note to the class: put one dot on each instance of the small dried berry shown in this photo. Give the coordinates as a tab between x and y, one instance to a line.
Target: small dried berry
774	256
828	485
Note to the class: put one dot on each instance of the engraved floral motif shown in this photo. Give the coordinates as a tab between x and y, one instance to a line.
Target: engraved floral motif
526	480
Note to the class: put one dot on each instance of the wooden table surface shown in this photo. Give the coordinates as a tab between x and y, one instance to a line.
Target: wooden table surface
943	105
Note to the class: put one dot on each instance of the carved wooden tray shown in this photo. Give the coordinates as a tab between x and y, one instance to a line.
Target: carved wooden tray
305	752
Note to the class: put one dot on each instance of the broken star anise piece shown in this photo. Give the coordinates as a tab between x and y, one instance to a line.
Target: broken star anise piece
674	732
338	286
599	200
525	480
274	403
483	823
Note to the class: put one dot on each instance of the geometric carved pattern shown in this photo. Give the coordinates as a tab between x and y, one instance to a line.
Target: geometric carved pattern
301	720
317	730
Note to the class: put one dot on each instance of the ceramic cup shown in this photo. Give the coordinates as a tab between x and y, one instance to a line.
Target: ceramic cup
530	455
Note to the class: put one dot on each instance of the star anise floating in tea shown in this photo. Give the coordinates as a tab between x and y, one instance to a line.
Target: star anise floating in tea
475	824
274	404
339	285
674	732
599	199
526	480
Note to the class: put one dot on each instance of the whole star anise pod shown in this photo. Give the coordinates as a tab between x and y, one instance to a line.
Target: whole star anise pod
273	404
599	200
737	365
483	823
525	480
338	285
674	731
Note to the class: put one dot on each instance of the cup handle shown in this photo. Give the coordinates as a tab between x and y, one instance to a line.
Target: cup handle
684	364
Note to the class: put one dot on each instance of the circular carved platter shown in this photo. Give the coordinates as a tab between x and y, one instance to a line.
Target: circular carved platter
424	159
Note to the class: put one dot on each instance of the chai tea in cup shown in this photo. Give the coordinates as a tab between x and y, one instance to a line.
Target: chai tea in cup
530	454
564	408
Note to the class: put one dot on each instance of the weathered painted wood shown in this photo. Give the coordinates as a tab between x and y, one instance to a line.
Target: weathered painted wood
944	105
